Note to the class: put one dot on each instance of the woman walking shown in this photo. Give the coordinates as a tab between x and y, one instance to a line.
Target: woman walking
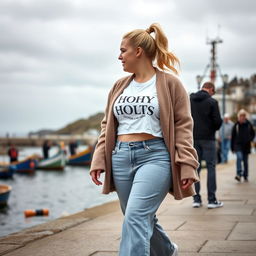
145	147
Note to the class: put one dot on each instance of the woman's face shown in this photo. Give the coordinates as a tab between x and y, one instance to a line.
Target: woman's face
128	56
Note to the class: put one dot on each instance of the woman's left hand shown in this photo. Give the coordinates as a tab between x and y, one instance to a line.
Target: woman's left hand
186	183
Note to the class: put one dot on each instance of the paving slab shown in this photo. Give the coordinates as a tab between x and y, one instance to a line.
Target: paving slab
212	225
230	247
232	210
70	243
227	218
23	238
103	224
102	253
244	231
189	245
4	248
184	210
168	224
251	201
198	235
217	254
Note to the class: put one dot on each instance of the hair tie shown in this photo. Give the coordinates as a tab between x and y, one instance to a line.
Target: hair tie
149	31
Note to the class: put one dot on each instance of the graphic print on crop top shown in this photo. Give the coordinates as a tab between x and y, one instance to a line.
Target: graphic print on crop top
137	109
134	107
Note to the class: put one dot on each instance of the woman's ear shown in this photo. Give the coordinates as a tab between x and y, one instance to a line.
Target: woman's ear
139	52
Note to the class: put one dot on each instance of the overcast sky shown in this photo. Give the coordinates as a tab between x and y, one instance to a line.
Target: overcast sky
58	58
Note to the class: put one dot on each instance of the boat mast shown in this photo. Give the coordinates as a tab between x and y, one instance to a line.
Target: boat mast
213	65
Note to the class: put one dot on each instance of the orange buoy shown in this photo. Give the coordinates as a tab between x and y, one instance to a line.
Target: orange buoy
39	212
32	164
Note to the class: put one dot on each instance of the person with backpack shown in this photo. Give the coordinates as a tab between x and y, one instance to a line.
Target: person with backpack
207	120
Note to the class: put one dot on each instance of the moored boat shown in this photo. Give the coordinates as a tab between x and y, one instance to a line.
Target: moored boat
7	172
81	158
56	162
24	166
5	191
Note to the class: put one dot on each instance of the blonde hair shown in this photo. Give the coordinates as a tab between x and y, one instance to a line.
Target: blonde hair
242	112
155	48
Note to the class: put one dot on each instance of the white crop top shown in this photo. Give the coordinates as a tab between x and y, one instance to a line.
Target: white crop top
137	109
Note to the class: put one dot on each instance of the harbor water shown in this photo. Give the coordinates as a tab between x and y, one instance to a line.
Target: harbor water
62	192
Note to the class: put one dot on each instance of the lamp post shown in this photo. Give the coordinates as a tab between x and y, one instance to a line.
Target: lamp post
225	81
199	80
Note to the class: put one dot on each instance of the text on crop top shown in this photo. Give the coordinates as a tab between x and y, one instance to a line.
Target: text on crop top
137	109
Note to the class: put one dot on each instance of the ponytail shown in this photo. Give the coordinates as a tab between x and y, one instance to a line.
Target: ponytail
164	58
155	48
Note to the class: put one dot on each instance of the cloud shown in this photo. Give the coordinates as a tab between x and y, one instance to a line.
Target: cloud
46	108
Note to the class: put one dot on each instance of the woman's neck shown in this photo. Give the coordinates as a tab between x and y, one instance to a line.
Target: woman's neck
144	74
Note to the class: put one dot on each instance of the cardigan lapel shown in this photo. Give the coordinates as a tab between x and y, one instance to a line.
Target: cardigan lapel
165	105
111	117
119	91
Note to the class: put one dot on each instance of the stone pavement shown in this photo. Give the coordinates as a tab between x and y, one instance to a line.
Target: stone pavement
226	231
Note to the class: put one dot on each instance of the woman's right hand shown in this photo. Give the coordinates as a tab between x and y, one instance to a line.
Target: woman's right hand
95	176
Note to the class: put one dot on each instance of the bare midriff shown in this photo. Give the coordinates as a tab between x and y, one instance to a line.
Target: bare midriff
135	137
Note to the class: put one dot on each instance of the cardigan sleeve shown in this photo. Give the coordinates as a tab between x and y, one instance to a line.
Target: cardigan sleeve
99	157
185	153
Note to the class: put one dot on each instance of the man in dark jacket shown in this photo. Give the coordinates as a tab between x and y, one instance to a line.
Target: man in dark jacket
207	120
241	138
46	148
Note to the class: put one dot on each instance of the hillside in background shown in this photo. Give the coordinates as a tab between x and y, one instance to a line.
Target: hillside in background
82	125
42	132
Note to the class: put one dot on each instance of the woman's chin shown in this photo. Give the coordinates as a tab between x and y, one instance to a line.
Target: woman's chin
127	70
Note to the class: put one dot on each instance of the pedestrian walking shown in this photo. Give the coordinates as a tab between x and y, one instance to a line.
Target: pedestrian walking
146	144
207	120
242	136
225	137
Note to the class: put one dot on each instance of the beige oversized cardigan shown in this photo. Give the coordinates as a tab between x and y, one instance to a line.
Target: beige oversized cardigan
177	128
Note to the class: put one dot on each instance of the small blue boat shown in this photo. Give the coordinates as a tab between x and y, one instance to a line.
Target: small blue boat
5	191
82	158
28	165
25	166
7	172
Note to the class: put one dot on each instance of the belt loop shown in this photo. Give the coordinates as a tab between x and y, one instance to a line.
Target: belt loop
144	142
119	145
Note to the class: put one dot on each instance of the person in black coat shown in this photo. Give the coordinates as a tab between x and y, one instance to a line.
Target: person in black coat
46	148
242	136
72	147
207	120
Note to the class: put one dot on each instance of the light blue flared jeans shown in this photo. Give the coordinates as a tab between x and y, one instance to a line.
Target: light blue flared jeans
142	176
